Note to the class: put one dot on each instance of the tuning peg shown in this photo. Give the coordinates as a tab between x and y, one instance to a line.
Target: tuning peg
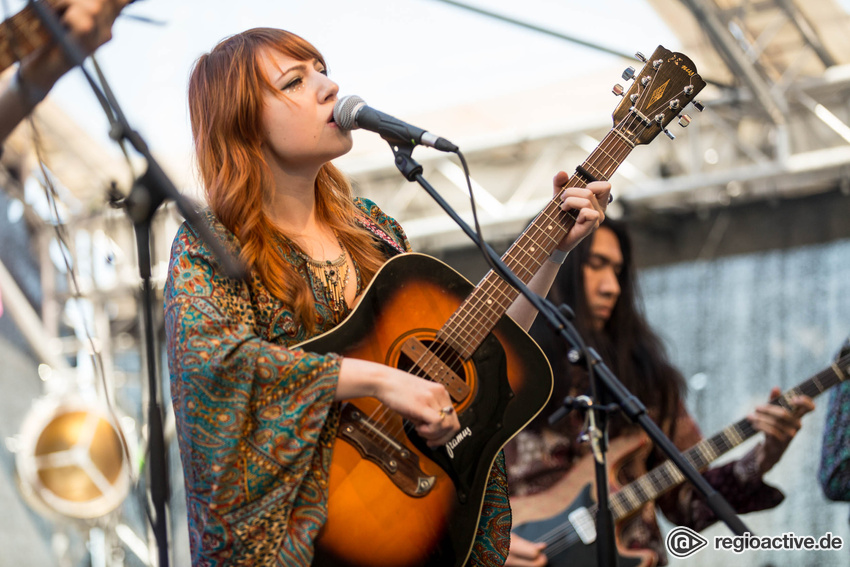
645	81
688	90
684	120
669	134
618	90
698	105
629	73
657	63
674	104
640	57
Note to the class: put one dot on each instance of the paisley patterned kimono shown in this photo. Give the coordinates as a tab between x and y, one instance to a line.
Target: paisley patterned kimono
256	417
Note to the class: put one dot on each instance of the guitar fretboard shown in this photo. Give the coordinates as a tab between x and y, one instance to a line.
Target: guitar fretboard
666	476
20	35
489	301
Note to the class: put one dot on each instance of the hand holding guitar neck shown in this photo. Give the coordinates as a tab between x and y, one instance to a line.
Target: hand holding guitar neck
89	23
780	424
587	204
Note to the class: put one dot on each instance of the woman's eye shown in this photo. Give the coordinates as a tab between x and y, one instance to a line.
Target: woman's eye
293	84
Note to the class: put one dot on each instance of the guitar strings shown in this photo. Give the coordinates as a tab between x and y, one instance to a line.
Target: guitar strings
421	370
478	309
473	314
444	348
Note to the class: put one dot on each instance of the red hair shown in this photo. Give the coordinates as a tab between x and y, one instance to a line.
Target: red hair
226	105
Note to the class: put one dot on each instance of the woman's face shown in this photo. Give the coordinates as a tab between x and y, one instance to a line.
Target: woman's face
298	128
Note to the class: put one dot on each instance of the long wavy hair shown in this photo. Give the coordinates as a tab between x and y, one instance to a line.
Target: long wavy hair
226	105
627	344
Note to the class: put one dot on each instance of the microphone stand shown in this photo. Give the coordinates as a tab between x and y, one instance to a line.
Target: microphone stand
147	194
579	353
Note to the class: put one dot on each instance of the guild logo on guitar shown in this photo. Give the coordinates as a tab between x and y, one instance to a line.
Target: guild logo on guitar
464	433
658	93
684	542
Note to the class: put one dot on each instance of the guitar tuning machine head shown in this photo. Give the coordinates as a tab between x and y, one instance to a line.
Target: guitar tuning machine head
629	73
684	120
669	133
657	63
640	57
618	90
698	105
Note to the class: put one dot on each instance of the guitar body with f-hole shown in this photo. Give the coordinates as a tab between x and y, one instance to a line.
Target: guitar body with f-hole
392	501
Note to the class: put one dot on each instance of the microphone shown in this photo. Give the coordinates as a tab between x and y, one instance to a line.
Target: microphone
351	112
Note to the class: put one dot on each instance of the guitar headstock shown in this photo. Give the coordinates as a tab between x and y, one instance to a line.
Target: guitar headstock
660	92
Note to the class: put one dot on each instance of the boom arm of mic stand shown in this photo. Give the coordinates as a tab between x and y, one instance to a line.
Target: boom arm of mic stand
630	405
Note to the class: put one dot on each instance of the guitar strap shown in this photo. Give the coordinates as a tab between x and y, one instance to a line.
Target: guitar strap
386	243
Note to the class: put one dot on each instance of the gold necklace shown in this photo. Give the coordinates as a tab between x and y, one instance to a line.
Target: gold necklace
332	276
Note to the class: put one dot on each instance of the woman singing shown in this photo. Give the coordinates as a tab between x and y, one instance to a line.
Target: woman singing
256	417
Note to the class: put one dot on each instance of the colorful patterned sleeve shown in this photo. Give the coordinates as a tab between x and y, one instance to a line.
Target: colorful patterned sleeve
834	470
737	481
255	420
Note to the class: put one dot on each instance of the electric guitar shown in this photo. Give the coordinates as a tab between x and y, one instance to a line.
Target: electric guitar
392	500
570	533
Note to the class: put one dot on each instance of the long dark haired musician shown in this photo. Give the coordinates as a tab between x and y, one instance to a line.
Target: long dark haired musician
598	281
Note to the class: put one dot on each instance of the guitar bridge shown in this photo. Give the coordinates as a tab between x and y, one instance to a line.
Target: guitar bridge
399	463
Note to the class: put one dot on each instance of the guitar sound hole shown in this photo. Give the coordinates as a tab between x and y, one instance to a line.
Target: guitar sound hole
449	357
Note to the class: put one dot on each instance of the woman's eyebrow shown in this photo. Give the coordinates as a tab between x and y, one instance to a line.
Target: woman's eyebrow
298	67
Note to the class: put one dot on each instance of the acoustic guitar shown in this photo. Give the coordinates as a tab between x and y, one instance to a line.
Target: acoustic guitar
570	532
20	35
392	500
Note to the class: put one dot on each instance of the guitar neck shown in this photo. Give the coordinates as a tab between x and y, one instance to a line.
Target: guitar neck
490	299
666	476
20	35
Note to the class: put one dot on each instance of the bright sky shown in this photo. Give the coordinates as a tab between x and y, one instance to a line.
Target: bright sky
401	56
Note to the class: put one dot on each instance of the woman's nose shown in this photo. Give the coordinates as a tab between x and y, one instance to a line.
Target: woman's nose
328	89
